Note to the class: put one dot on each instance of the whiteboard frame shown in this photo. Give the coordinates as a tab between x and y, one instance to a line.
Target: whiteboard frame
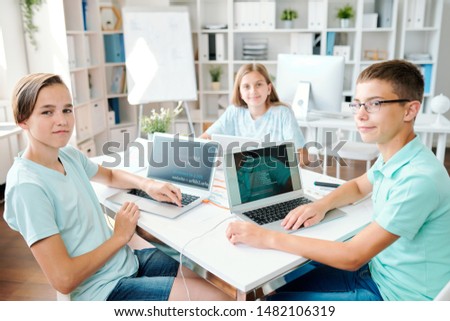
168	85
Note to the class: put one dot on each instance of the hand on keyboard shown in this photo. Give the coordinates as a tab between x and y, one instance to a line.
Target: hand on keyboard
163	192
305	215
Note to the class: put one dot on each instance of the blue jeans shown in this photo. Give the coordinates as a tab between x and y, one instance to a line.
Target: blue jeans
325	283
153	280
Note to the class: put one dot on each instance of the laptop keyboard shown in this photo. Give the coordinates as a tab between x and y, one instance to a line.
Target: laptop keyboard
186	199
276	212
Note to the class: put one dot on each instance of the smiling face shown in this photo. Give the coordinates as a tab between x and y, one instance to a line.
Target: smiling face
393	123
255	90
51	123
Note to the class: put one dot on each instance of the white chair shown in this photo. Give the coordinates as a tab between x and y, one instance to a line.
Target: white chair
351	150
444	294
62	297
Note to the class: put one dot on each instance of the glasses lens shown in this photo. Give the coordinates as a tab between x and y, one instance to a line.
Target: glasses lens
372	106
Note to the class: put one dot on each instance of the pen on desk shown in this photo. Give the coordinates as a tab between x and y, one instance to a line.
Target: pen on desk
326	184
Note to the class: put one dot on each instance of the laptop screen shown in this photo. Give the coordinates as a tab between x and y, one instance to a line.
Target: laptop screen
183	160
263	173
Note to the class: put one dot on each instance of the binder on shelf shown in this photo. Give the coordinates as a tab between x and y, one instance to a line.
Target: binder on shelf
118	80
253	15
302	43
331	38
114	105
267	19
114	48
212	46
98	117
415	14
427	70
204	52
342	51
419	13
239	16
87	49
220	46
384	9
71	51
73	86
317	44
315	14
84	7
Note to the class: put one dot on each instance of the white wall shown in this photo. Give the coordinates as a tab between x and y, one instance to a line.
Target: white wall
13	61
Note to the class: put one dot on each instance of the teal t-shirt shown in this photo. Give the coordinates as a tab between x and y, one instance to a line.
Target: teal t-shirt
278	121
411	197
41	202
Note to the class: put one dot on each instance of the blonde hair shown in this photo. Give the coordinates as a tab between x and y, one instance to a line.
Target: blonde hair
236	98
26	92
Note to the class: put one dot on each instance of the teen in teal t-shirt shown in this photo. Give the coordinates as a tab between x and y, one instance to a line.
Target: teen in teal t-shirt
411	198
65	204
403	254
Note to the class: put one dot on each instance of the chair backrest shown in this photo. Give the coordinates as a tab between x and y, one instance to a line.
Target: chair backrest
444	295
62	297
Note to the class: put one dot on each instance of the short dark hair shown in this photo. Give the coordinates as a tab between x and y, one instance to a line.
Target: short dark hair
405	77
26	92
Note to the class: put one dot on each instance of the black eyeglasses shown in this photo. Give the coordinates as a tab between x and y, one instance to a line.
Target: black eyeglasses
372	106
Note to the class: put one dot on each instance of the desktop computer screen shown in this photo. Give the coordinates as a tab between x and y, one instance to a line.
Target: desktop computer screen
324	74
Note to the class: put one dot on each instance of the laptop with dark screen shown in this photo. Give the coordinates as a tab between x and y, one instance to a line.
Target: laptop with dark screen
264	185
186	162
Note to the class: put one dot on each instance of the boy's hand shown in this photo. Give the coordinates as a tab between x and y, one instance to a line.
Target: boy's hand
126	220
163	192
304	215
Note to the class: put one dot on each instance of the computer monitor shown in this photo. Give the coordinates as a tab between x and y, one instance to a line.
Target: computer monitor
325	76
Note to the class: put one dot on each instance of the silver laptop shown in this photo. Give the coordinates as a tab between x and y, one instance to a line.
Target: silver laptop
228	143
186	162
264	185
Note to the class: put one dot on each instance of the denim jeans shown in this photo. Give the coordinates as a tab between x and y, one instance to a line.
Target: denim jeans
153	280
325	283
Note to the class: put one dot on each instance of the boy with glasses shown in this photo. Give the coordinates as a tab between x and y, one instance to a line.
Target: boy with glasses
403	254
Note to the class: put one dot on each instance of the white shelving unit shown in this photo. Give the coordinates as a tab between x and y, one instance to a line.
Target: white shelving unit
83	64
419	38
70	43
317	18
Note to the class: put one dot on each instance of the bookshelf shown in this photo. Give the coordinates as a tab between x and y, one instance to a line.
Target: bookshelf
95	76
419	39
98	83
242	31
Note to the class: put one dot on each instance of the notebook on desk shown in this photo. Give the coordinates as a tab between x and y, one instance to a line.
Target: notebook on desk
264	185
187	163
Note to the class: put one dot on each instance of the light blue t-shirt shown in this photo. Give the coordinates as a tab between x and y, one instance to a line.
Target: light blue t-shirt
411	197
41	202
278	121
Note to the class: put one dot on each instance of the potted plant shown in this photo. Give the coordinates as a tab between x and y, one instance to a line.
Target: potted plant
159	121
29	8
215	73
345	14
288	16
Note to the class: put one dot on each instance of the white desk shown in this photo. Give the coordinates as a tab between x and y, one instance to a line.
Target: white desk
241	271
423	126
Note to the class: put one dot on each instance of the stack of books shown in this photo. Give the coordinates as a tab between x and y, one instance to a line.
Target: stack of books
254	49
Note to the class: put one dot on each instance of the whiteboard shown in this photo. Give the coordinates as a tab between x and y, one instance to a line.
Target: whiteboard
158	54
